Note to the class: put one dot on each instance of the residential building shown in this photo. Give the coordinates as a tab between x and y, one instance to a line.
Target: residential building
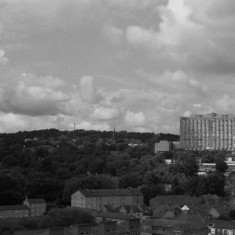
37	207
174	227
130	227
172	200
14	211
97	198
222	227
163	146
211	131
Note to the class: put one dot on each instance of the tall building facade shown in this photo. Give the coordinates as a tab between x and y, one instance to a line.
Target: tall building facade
211	131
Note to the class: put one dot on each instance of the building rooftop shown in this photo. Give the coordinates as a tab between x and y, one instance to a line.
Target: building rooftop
110	192
112	215
13	207
36	201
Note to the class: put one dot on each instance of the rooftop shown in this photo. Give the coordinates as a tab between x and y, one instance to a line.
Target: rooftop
110	192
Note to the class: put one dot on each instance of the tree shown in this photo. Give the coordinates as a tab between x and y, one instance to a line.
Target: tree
208	158
221	165
130	180
150	178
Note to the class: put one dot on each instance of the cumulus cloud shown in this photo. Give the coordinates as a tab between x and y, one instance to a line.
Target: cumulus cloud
3	59
32	95
113	33
135	119
105	113
93	126
87	90
188	36
149	62
225	103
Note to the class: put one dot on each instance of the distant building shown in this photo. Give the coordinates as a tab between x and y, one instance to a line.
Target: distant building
163	146
168	227
177	146
210	131
14	211
30	207
37	207
97	198
222	227
172	200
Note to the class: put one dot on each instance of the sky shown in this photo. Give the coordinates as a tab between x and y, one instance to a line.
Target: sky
137	65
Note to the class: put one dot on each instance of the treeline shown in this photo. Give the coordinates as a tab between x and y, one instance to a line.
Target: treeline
96	164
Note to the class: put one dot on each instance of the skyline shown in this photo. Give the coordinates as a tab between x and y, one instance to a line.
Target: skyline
137	65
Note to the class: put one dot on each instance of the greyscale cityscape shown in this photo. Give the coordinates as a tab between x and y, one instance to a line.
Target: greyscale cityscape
117	117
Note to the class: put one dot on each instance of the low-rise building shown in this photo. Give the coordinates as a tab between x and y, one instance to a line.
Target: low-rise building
171	200
14	211
97	198
222	227
163	146
37	207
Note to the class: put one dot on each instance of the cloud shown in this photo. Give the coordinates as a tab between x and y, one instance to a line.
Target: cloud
131	4
113	33
189	36
3	59
226	103
135	119
32	95
87	90
105	113
93	126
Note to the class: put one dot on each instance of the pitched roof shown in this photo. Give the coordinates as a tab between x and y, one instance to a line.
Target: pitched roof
13	207
224	224
174	199
121	228
83	209
220	209
110	192
111	215
36	200
181	225
131	208
197	219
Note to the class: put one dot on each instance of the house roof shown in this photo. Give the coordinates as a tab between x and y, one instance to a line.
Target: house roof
224	224
131	208
110	192
219	209
36	201
83	209
179	225
197	219
122	229
185	226
112	215
174	199
13	207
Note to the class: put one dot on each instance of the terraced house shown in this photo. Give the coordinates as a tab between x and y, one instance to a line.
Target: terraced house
97	198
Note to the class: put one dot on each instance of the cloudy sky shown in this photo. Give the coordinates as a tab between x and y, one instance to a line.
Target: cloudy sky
137	65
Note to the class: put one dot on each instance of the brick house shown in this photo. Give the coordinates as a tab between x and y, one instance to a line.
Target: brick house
97	198
14	211
37	207
172	200
174	227
222	227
